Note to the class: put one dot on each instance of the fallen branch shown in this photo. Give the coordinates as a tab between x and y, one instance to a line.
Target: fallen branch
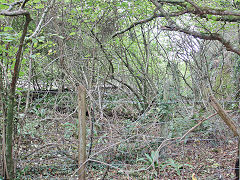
198	124
224	115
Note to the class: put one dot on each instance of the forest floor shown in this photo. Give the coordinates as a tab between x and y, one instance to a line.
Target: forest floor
209	160
49	151
206	160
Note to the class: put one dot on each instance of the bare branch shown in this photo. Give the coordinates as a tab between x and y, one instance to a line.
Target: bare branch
134	24
198	124
171	1
213	36
147	20
206	10
221	18
166	15
8	12
38	28
230	16
24	3
14	13
218	12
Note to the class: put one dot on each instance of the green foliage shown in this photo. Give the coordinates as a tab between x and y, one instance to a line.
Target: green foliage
70	130
19	91
3	6
175	165
21	173
151	160
236	66
180	125
212	17
7	35
223	84
38	111
111	101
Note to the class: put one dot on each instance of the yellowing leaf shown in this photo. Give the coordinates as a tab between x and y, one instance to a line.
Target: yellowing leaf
194	176
50	51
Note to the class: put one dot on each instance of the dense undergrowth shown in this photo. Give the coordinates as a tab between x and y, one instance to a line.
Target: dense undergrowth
123	142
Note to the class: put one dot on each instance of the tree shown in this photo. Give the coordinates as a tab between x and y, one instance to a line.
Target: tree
149	51
11	96
180	8
203	20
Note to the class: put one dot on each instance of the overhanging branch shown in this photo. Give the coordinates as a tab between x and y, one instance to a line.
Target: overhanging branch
14	13
173	26
147	20
201	12
213	36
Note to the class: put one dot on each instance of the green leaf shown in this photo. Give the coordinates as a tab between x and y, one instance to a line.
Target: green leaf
149	158
12	66
18	91
33	56
72	33
35	45
3	7
8	28
142	159
21	73
40	6
214	18
209	16
124	4
34	40
41	38
24	61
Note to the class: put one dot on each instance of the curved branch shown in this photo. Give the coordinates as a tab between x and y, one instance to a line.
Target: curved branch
148	20
213	36
174	27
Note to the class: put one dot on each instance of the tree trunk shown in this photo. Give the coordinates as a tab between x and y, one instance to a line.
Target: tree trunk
9	137
10	108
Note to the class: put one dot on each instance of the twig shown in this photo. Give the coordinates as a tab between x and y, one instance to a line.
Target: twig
147	20
38	28
24	3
